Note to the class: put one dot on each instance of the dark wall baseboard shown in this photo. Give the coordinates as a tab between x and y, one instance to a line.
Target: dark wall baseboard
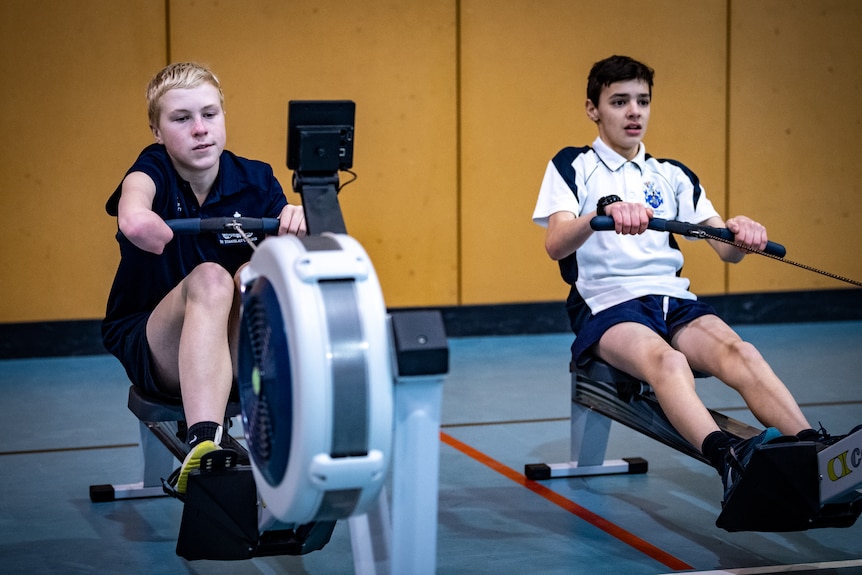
50	339
736	309
83	337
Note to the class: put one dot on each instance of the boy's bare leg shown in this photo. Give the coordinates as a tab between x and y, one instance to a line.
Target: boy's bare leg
188	337
234	324
712	346
640	352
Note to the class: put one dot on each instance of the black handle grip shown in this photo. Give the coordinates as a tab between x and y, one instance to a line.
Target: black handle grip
606	223
215	225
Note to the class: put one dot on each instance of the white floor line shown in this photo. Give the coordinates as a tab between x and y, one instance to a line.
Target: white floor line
782	568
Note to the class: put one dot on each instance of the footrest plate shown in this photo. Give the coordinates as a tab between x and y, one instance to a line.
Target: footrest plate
220	521
780	492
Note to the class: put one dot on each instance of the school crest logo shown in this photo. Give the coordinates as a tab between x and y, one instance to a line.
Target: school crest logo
652	196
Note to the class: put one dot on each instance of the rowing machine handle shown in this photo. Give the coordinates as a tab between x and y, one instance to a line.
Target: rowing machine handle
215	225
606	223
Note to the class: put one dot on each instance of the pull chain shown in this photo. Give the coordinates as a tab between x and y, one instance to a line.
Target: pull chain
704	235
237	227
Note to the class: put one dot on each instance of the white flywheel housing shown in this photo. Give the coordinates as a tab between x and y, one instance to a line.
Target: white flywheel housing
315	377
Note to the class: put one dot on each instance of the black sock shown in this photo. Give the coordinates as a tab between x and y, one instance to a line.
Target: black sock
202	431
808	435
715	447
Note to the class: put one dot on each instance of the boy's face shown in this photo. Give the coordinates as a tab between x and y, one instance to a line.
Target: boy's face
191	126
622	115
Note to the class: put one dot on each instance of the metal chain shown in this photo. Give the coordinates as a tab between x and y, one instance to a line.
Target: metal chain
791	262
237	227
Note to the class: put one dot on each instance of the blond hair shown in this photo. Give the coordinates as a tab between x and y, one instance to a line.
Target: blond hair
184	75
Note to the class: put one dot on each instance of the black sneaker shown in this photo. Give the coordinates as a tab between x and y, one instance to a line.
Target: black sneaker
824	440
738	456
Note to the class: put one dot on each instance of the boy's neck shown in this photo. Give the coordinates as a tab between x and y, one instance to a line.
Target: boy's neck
628	154
201	183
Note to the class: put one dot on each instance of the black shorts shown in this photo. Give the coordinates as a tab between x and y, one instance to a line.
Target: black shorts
137	359
647	310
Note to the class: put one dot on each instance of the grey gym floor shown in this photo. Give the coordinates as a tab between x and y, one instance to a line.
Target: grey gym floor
64	425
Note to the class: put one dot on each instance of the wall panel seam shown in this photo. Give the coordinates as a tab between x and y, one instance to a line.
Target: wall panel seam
459	235
727	111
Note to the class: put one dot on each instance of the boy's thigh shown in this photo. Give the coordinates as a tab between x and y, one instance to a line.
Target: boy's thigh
632	347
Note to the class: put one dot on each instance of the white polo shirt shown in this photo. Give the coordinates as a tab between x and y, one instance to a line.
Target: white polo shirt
611	268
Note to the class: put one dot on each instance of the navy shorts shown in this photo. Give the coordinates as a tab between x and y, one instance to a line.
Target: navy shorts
647	310
137	359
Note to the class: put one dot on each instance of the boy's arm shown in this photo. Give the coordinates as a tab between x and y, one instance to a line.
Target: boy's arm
566	233
135	215
746	232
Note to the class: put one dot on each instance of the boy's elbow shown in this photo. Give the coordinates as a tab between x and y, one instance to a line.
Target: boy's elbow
554	251
731	255
133	228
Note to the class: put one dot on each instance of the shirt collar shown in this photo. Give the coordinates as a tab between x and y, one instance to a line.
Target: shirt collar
613	160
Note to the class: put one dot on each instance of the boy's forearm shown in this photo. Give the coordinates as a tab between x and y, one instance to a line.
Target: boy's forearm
566	234
145	229
136	218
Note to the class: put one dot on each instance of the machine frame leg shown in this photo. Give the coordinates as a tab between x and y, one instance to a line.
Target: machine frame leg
371	539
589	440
160	450
404	539
416	463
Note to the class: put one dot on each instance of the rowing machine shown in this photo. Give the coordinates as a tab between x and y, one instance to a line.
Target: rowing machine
787	487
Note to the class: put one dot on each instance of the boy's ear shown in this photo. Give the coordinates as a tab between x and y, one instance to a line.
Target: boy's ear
157	134
592	112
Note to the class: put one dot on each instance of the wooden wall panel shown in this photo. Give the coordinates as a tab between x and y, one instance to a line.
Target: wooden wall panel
399	64
460	106
72	117
523	88
795	74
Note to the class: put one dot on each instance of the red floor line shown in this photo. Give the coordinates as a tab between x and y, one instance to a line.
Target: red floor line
612	529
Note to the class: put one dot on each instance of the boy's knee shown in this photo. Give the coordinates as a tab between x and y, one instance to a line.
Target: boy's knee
672	360
210	281
671	369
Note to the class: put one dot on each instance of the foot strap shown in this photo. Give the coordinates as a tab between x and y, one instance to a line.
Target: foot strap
218	460
211	462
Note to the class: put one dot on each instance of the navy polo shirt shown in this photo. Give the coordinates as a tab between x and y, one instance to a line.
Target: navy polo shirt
243	187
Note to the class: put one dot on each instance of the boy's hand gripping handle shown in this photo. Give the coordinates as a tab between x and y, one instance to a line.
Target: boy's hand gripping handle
606	223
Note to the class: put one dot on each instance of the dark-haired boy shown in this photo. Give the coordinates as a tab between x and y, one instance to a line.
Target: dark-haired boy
627	304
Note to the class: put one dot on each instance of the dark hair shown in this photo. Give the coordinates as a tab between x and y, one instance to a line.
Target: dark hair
616	69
